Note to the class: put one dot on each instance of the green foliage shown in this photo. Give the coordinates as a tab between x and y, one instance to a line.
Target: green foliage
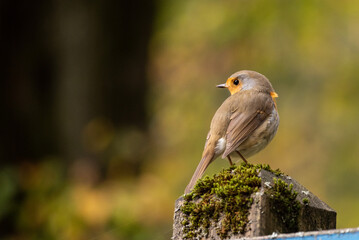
8	190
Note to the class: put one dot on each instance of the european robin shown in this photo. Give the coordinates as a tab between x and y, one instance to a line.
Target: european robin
244	124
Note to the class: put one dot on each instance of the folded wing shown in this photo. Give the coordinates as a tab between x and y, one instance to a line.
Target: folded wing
256	108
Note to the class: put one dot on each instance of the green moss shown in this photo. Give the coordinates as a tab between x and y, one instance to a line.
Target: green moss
305	201
285	205
223	200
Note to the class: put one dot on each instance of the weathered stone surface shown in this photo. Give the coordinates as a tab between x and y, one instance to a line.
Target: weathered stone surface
313	216
265	217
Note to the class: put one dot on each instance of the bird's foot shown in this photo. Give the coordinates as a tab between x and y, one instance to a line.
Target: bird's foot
243	158
229	160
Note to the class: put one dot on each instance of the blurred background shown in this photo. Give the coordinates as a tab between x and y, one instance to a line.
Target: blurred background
105	106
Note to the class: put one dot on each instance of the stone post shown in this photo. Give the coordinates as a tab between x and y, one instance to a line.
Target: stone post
247	201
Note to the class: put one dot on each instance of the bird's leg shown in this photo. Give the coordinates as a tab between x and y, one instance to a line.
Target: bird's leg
241	156
229	160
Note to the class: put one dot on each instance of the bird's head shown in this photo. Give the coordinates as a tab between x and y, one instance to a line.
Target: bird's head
248	80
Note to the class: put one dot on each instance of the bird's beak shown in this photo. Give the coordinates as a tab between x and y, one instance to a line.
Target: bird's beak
222	85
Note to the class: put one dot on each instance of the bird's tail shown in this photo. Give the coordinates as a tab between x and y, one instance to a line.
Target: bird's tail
203	164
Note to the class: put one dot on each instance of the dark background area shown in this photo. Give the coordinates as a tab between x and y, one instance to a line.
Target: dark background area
64	64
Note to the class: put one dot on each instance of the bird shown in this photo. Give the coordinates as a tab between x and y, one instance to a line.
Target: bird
244	124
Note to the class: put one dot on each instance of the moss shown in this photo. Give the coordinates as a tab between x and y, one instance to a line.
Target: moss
223	200
305	201
285	205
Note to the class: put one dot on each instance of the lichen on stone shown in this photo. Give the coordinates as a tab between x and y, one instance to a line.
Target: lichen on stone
223	201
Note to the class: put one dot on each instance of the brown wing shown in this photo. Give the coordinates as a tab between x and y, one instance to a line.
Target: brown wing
251	112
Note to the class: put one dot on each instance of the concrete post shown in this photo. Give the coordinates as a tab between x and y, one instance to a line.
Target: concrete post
278	204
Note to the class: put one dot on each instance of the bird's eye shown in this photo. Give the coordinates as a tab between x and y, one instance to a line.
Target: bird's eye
236	82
